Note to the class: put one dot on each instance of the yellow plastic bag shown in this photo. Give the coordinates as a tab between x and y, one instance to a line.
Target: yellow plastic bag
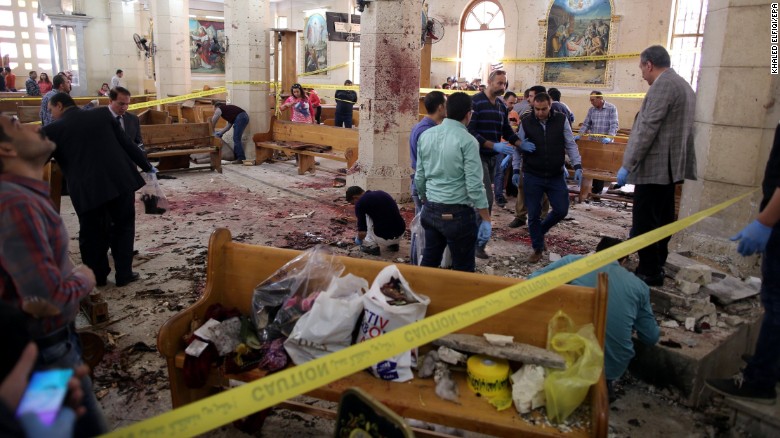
566	389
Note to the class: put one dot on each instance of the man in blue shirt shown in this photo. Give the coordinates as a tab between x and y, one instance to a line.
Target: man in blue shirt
449	181
489	123
379	221
434	105
628	309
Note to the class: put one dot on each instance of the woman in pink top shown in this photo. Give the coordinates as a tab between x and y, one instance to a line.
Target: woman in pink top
44	84
301	107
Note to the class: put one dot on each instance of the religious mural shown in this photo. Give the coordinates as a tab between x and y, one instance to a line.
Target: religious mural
577	28
315	43
207	46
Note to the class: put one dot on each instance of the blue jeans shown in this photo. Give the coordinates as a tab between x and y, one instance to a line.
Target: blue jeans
242	120
498	178
415	197
488	172
535	188
449	225
762	368
67	354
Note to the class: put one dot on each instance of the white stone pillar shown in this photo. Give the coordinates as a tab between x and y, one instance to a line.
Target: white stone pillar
171	33
124	22
247	28
389	77
736	117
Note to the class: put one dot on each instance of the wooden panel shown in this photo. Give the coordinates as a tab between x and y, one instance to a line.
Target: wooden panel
600	156
153	117
338	138
29	114
162	134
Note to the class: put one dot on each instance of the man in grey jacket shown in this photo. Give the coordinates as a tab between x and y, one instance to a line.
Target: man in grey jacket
659	155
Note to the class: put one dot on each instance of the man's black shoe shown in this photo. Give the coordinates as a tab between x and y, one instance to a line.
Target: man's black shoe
393	248
480	253
652	280
125	281
100	282
501	202
517	223
737	387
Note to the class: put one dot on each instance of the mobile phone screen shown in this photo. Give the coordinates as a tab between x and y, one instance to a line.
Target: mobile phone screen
44	394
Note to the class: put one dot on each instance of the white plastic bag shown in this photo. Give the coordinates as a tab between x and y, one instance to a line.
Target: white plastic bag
328	326
418	244
152	196
384	313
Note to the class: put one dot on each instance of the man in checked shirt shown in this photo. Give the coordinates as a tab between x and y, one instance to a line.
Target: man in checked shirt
602	118
35	272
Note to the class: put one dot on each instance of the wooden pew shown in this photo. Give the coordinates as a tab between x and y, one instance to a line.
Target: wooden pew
182	139
28	114
328	115
307	141
599	161
233	269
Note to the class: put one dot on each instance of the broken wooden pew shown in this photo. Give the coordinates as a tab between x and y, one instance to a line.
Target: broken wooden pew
600	161
307	141
233	270
182	139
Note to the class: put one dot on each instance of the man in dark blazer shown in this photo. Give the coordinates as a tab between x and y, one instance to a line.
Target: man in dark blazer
99	163
659	155
118	101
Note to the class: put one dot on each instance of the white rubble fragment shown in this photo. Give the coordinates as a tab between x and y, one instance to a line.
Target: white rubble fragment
446	388
732	320
554	257
204	331
451	356
528	388
399	260
701	274
688	287
226	336
196	348
670	323
499	340
489	270
754	283
690	323
506	262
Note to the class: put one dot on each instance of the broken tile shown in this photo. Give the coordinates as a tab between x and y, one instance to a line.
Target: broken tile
698	273
688	287
729	290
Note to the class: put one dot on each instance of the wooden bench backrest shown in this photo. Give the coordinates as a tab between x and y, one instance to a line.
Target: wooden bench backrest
599	156
234	269
340	139
176	135
153	117
204	113
28	114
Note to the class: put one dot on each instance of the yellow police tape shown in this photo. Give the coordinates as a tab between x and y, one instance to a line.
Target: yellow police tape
189	96
566	59
225	407
323	70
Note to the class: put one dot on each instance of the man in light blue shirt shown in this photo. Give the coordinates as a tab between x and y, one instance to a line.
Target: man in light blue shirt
628	309
449	183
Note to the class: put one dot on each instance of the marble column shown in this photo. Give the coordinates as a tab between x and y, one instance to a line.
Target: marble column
389	95
736	116
248	60
171	34
125	20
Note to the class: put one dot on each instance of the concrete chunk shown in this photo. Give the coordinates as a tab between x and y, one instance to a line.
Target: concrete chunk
729	290
528	354
701	274
688	287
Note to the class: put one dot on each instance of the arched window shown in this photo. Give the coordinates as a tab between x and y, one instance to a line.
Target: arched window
686	38
481	39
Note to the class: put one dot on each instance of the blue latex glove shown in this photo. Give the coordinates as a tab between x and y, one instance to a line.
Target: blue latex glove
565	173
576	137
506	162
61	428
578	176
483	235
606	140
217	134
527	146
358	241
154	170
516	179
753	238
621	176
503	148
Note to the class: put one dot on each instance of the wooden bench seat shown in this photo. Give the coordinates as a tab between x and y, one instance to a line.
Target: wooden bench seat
599	161
183	139
234	269
307	141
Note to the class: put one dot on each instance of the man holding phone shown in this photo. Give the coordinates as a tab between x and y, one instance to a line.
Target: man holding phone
36	274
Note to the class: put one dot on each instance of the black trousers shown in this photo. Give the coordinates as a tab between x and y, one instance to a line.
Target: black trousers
318	115
111	225
653	208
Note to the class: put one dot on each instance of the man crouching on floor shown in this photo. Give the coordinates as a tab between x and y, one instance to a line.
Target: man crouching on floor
379	221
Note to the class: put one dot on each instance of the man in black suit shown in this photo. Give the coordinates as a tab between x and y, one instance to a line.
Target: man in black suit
99	163
118	101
